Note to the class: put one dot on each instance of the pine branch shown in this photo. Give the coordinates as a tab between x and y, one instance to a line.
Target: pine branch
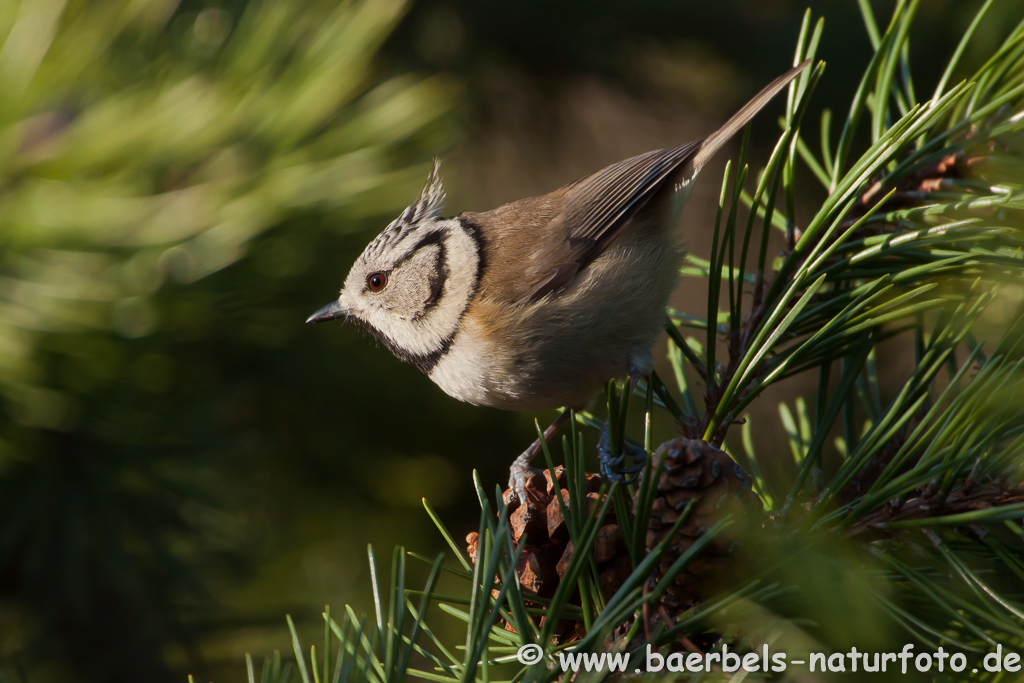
916	506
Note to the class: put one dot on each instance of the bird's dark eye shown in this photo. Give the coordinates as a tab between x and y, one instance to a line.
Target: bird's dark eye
376	281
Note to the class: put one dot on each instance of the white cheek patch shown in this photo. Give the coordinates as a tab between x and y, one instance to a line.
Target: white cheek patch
431	332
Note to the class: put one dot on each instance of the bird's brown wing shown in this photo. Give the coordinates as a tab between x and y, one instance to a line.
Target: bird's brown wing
598	208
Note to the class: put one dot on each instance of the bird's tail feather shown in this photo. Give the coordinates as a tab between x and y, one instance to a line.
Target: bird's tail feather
713	142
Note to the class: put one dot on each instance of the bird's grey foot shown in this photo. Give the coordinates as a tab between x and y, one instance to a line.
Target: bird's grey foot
611	466
521	471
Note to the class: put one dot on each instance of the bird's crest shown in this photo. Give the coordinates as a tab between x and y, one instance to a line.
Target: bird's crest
430	202
428	205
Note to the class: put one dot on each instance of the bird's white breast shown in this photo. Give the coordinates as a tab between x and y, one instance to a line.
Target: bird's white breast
465	371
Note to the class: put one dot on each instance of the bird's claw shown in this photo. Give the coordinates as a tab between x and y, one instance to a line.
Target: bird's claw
520	474
611	466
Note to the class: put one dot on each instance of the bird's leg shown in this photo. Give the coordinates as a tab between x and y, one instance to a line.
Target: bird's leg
520	472
611	466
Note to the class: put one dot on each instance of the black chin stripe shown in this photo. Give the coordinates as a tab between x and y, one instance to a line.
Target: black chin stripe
423	362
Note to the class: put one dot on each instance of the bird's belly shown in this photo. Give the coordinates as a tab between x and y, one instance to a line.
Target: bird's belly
472	372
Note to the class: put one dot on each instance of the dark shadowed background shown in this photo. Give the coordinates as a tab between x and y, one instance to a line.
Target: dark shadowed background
182	461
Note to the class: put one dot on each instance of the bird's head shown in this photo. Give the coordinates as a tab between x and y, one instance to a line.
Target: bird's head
412	283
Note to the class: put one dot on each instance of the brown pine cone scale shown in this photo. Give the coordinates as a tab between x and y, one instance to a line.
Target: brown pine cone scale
698	475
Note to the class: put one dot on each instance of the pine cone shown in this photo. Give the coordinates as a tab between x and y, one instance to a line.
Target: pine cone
698	472
542	527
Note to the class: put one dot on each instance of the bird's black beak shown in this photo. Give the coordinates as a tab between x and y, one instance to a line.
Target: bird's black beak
329	312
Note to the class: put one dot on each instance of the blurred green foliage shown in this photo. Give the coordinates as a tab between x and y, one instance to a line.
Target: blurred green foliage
181	184
167	178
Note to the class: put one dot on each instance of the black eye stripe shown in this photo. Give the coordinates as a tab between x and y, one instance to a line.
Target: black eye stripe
438	278
439	274
435	237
